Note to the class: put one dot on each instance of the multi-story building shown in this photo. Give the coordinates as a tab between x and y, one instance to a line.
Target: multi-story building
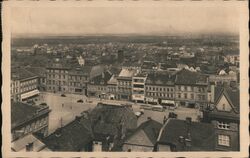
160	88
41	73
97	86
57	77
27	119
124	83
190	88
223	112
112	87
138	87
78	79
23	85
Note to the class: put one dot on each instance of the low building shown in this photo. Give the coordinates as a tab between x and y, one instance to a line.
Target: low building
185	135
191	88
24	85
138	87
224	113
160	88
144	138
27	119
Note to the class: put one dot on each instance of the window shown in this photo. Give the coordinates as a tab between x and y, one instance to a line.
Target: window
192	96
185	95
223	107
224	140
223	125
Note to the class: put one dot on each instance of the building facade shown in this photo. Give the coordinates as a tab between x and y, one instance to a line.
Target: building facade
138	87
160	88
28	119
24	85
191	88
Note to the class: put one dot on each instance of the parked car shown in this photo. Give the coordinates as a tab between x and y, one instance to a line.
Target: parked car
80	101
63	95
158	108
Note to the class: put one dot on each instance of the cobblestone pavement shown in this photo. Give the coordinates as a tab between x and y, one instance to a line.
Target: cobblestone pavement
65	109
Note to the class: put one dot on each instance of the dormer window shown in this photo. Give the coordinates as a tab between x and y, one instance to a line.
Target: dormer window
223	107
223	125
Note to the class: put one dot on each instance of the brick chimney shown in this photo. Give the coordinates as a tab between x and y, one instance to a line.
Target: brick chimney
29	146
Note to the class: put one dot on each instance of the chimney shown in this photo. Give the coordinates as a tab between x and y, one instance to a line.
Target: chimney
29	146
188	120
58	132
212	93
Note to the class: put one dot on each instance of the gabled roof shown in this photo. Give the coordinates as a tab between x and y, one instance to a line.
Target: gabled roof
151	128
232	95
21	112
202	134
108	118
101	79
72	137
39	71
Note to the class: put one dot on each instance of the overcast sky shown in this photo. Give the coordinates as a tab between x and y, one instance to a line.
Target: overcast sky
124	20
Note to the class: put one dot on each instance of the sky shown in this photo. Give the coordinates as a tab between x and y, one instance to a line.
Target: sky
124	20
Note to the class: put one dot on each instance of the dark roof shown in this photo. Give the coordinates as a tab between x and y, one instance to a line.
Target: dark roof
85	70
202	134
39	71
101	79
148	65
150	127
160	79
72	137
186	77
19	73
232	94
108	118
21	112
115	70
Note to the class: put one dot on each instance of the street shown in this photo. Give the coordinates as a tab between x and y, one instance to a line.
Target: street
64	109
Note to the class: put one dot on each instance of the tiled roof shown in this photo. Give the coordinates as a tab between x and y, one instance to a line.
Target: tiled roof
160	79
19	73
202	135
101	79
107	118
72	137
150	127
21	112
187	77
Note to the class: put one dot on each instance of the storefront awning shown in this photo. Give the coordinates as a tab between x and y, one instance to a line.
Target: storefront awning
29	94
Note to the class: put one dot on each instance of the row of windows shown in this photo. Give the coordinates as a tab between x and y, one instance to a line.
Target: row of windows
160	89
28	88
161	95
124	83
57	71
35	125
224	140
190	88
56	76
185	96
26	83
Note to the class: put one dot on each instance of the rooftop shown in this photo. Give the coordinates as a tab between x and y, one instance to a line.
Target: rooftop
202	135
187	77
21	112
160	78
19	73
101	79
75	136
126	72
151	129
